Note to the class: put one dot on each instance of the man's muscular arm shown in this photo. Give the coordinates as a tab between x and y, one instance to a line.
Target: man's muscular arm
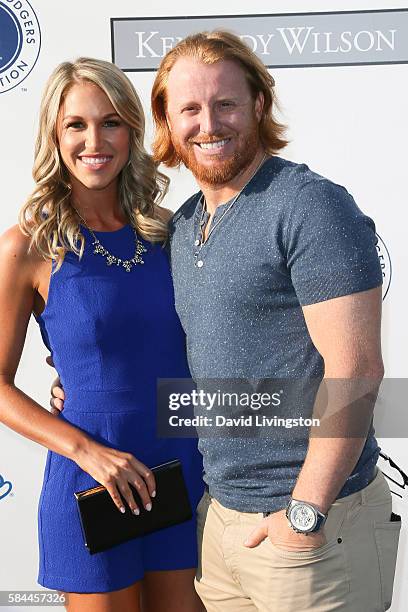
347	333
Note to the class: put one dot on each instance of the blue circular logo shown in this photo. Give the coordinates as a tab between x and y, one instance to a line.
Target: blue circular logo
20	42
11	38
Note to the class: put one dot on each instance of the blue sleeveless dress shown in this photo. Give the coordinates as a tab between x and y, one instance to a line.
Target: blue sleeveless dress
111	334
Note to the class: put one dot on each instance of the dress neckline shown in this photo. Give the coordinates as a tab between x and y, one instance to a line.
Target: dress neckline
96	232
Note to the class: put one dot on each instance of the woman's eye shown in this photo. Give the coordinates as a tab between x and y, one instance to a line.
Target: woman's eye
75	125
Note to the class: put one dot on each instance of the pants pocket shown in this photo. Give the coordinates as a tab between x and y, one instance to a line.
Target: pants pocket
387	538
308	581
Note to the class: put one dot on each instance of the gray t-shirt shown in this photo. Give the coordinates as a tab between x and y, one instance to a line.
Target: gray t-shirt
292	238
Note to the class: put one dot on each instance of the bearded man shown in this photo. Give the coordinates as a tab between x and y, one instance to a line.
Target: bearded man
276	275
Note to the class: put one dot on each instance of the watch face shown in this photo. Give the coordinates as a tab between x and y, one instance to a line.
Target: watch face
303	517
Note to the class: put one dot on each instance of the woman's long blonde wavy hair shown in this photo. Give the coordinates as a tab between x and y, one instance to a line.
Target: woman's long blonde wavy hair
48	216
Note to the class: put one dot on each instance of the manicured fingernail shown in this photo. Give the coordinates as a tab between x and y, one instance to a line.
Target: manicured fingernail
148	507
136	511
123	510
153	494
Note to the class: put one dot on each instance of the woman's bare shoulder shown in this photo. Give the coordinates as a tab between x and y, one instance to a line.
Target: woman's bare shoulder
14	245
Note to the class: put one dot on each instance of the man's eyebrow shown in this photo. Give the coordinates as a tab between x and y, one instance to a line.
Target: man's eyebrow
222	98
227	98
187	103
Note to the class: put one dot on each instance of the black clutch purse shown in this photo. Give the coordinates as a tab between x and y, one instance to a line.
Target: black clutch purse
103	526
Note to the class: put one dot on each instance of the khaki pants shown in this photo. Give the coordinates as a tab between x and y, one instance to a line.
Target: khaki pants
353	572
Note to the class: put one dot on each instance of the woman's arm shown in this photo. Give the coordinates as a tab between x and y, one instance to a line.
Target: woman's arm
17	410
21	413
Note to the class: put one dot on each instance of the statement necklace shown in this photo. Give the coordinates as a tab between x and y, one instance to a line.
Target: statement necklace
99	249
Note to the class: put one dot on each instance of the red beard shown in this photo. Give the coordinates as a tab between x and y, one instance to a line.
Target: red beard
223	171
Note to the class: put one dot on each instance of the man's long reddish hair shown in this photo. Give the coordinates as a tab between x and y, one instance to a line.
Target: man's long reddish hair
209	48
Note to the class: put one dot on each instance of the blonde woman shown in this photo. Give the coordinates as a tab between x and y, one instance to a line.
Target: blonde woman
87	260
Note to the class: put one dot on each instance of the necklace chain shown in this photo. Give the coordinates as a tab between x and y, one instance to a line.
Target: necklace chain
99	249
199	242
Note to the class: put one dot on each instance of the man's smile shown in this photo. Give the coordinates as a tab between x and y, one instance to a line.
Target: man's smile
216	144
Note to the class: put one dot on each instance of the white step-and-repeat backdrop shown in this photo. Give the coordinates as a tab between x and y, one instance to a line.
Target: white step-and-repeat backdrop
342	84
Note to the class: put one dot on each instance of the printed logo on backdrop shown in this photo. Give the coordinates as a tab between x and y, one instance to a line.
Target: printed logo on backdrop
385	263
281	41
20	42
5	487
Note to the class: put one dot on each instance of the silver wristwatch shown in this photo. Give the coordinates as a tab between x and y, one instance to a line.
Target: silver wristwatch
304	517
